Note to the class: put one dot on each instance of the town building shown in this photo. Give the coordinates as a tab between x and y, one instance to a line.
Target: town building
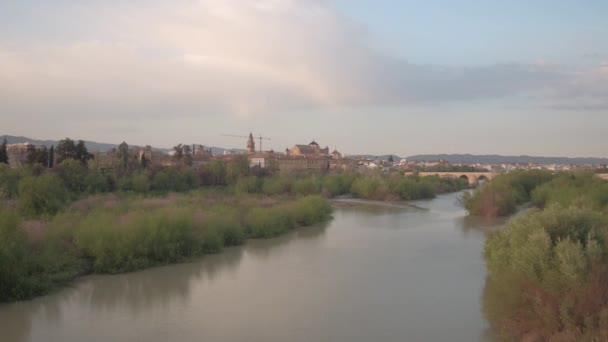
18	153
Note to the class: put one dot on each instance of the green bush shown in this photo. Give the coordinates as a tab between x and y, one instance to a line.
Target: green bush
502	195
309	210
9	181
43	195
276	185
136	240
248	185
306	186
544	272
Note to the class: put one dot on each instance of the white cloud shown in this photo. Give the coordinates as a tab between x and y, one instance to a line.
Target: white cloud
249	58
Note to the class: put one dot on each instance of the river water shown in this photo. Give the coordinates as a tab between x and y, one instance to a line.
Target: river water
410	272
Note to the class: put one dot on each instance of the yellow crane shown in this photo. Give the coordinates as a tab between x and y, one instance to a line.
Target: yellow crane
259	137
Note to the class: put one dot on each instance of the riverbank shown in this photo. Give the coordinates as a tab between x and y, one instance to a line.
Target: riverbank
547	270
109	234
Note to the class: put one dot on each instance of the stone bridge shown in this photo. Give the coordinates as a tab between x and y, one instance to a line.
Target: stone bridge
472	177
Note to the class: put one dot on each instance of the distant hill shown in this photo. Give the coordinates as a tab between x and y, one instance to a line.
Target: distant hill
498	159
91	145
96	146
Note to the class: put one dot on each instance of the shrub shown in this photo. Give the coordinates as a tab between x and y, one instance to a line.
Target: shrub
41	195
267	222
544	269
306	186
248	185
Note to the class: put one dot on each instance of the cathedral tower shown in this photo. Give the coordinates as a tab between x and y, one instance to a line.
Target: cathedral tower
250	144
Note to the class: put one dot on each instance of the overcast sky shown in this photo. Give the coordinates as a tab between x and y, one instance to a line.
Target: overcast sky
362	76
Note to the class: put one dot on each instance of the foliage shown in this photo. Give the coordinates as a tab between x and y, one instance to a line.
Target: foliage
37	155
68	149
548	268
3	153
41	195
136	233
9	181
237	167
502	195
74	175
546	271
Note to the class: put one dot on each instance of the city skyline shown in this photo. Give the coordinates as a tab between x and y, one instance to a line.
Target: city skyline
363	77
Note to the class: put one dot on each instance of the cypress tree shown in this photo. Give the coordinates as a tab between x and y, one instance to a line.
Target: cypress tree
3	152
52	157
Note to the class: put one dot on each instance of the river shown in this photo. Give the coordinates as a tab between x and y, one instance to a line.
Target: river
413	272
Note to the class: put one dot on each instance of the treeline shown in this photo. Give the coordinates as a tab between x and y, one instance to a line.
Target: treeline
504	193
376	186
548	269
37	190
106	234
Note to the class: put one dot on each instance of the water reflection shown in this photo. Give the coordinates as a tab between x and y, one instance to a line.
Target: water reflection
140	292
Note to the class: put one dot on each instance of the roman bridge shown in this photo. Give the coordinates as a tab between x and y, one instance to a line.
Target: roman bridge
472	177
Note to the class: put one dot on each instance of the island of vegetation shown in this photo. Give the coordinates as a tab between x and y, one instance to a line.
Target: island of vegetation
548	268
64	217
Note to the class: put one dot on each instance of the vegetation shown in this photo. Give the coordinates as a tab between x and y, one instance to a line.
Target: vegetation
3	153
547	270
75	218
502	195
108	234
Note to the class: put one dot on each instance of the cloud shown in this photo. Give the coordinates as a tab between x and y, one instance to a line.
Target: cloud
248	58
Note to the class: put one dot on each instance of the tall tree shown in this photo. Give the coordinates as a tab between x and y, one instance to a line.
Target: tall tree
3	152
179	153
66	149
123	156
187	158
37	155
82	154
52	157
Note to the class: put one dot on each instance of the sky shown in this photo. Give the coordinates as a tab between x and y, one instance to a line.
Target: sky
362	76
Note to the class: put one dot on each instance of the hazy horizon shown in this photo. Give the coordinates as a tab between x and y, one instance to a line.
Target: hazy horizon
365	77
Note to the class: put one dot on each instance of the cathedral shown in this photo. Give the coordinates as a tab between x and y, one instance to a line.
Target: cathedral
312	149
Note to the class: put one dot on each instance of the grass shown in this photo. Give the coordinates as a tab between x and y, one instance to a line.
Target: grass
112	235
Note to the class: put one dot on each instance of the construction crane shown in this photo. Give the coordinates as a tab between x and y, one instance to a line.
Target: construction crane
259	137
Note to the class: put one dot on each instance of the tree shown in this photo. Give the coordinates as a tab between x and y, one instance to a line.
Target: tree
37	155
73	175
179	153
390	159
236	168
123	155
187	155
3	152
67	149
41	195
52	157
217	171
82	154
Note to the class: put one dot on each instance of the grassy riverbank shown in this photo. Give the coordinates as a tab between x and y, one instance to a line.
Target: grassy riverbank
108	234
548	269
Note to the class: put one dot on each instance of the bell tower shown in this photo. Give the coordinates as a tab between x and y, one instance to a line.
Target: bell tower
250	144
